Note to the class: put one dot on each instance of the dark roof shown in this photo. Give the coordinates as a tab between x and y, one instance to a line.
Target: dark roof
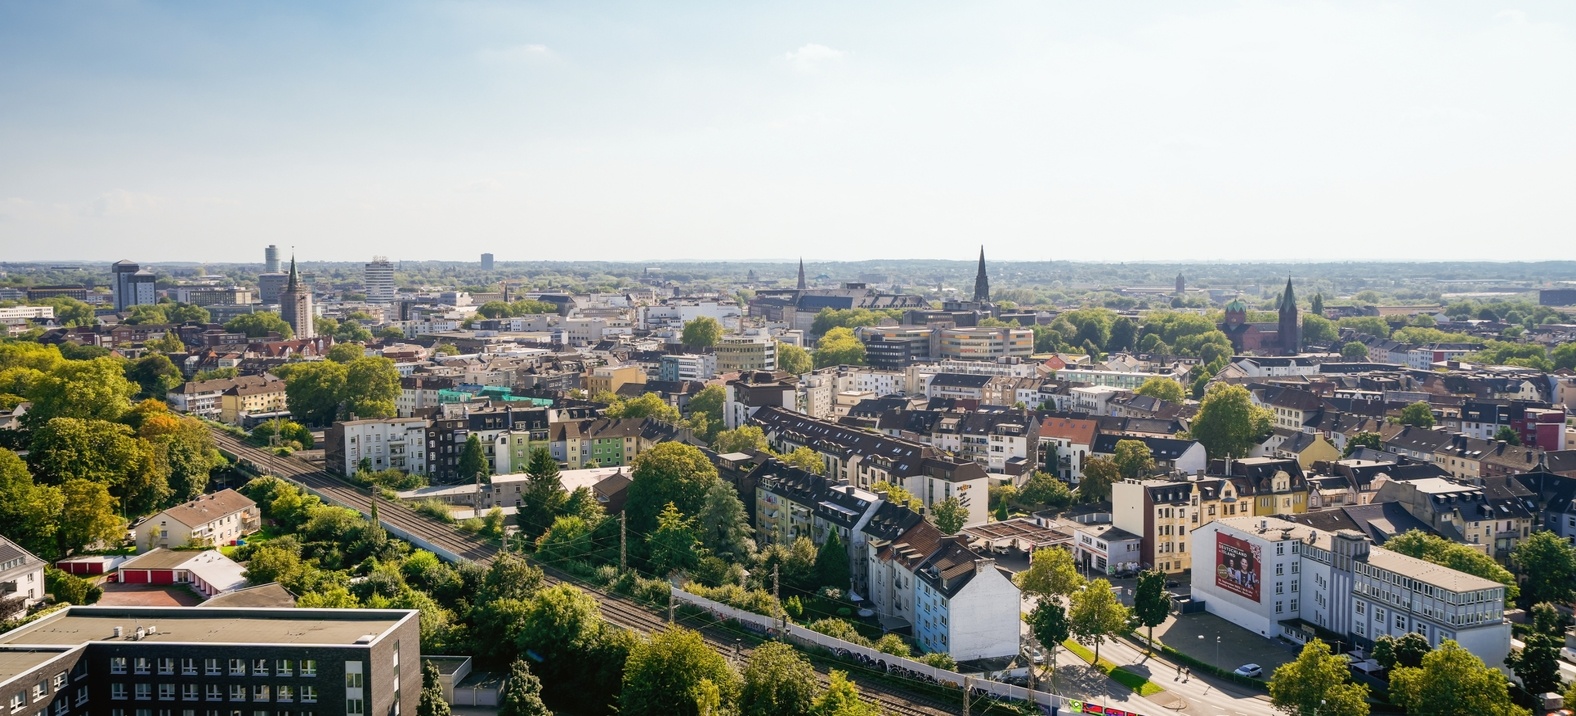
1378	521
960	380
1161	448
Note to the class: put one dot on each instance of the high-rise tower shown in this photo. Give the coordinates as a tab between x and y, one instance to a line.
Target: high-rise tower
379	281
271	259
982	282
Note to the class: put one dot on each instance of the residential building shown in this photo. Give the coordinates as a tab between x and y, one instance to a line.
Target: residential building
132	285
1286	580
956	601
250	402
21	578
1170	454
1104	548
687	366
384	443
1496	515
1064	445
114	661
1267	485
958	386
604	442
205	398
213	520
756	390
1163	512
609	378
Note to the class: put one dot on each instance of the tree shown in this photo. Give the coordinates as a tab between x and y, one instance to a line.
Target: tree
345	352
745	439
673	544
1228	423
259	325
1099	473
273	564
567	540
87	516
1452	682
839	347
1354	352
669	472
702	332
544	495
187	313
1095	614
1317	306
69	311
1460	557
708	402
841	698
1133	459
777	681
1162	389
67	448
1124	334
1318	683
313	391
522	693
1151	603
663	672
1318	330
184	450
722	524
371	387
432	701
154	375
1418	415
473	462
1363	439
1537	662
831	563
1048	623
94	389
805	459
793	359
1051	573
29	512
949	515
893	644
1405	650
1547	564
1507	435
1043	490
139	315
560	625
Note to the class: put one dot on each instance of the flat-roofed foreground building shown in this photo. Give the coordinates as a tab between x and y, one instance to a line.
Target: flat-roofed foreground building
1280	578
163	661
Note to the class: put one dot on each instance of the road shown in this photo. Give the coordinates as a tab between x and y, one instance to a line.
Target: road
1206	696
615	608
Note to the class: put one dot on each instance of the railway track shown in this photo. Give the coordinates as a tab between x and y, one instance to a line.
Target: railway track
615	608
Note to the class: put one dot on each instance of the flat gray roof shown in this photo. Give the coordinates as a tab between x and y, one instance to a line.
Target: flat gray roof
22	661
329	627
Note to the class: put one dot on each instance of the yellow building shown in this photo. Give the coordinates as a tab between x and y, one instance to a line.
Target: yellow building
985	343
612	377
1274	486
243	401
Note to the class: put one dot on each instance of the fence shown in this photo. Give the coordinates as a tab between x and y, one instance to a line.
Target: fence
1049	703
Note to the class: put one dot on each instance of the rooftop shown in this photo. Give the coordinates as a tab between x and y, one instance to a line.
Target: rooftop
328	627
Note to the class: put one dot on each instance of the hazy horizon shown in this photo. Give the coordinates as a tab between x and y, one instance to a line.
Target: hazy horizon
1206	131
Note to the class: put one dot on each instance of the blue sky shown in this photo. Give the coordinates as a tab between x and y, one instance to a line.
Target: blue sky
625	130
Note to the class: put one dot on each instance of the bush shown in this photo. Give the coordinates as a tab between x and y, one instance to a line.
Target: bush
757	601
839	629
436	509
69	588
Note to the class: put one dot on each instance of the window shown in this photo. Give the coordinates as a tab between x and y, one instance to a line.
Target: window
18	700
353	678
309	667
117	665
188	692
116	691
142	665
166	692
238	667
260	692
285	694
237	692
40	690
308	694
259	667
60	681
166	666
283	667
144	692
354	707
189	667
215	692
210	667
1294	605
1279	569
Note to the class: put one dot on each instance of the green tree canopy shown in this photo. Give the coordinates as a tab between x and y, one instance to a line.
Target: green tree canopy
1418	414
1547	564
1354	351
1452	682
703	332
949	515
154	375
1051	573
831	563
777	681
1318	330
793	359
345	352
94	389
473	461
1151	602
88	515
29	512
669	472
1228	423
745	438
1133	459
1162	389
522	693
1048	623
673	545
1318	683
1095	613
259	325
1099	473
663	672
841	698
723	525
839	347
1460	557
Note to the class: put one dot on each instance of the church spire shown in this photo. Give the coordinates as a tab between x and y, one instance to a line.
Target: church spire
1288	299
294	278
802	285
981	281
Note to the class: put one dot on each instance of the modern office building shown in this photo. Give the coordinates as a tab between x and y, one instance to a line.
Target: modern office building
135	661
487	262
270	285
295	305
379	280
132	285
747	352
271	259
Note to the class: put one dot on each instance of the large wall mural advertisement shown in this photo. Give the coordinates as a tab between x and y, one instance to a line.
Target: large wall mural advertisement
1237	566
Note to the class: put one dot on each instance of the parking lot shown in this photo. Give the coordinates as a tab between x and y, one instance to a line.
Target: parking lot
1237	646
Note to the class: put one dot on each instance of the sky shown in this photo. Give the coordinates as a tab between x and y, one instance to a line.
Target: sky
1438	129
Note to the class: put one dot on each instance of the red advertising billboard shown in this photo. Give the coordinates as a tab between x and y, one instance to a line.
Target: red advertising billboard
1237	566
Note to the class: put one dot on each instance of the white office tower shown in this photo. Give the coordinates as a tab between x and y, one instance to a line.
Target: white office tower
271	259
379	281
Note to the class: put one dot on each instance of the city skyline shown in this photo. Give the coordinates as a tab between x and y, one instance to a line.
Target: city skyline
1203	131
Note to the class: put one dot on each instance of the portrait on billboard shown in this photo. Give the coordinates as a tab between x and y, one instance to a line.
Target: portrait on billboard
1237	566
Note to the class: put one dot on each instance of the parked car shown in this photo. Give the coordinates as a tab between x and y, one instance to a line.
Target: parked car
1252	671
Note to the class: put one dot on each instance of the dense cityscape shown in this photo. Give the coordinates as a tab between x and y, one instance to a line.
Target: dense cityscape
778	488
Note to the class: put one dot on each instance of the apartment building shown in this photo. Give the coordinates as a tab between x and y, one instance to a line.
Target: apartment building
212	520
385	443
984	344
1497	515
1164	512
250	393
956	601
1283	579
21	578
131	661
604	442
755	391
1064	445
248	403
747	352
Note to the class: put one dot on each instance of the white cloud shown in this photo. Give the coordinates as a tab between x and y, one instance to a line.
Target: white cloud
812	56
518	54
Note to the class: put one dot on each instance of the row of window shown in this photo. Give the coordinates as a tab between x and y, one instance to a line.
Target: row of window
212	667
19	701
209	712
283	693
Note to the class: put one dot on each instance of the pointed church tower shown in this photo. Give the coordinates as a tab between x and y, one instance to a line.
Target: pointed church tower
1290	327
981	281
295	305
802	285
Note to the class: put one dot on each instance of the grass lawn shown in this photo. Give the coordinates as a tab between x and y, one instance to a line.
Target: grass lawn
268	532
1140	685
